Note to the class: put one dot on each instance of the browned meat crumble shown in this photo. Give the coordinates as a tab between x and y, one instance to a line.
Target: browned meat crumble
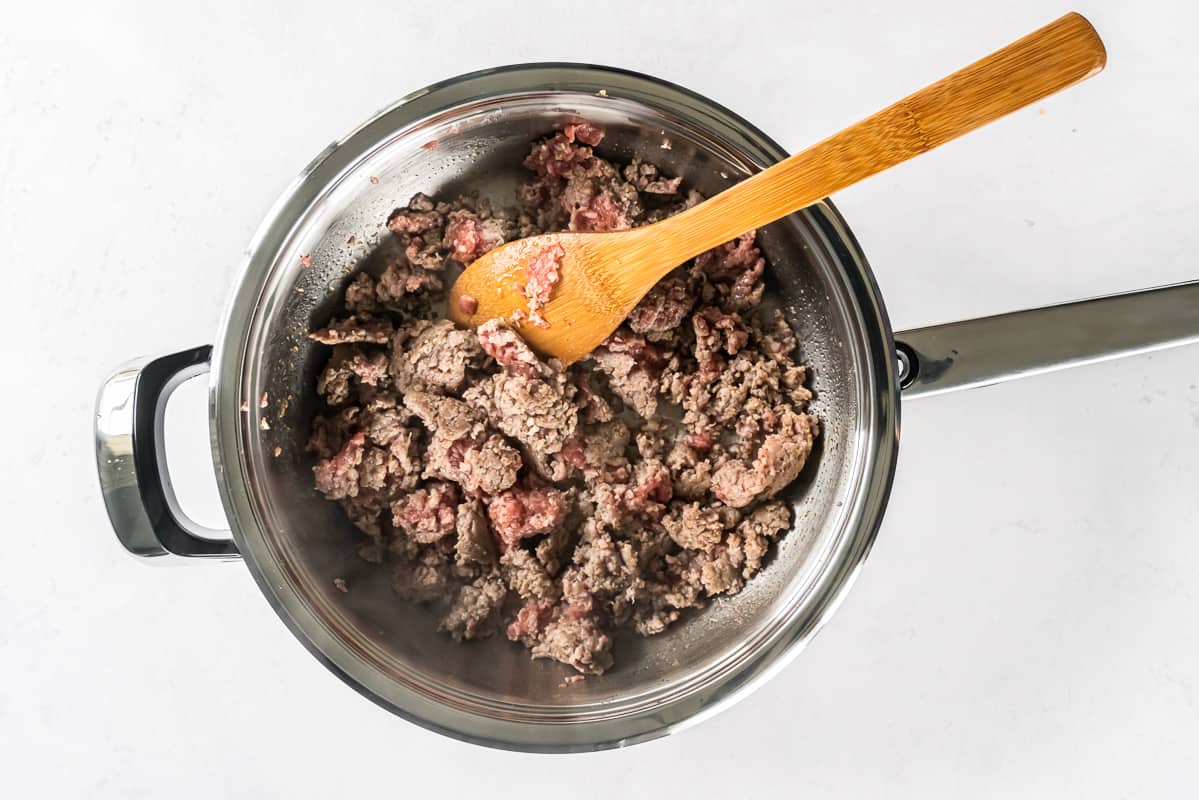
557	505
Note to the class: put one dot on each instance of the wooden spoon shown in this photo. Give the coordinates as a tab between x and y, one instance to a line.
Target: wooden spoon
602	276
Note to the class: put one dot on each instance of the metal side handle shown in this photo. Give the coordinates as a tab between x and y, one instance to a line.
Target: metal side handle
130	456
988	350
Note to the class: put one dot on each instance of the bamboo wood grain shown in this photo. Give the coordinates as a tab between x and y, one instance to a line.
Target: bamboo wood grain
603	275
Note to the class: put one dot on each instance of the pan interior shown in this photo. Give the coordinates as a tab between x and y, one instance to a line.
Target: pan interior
480	145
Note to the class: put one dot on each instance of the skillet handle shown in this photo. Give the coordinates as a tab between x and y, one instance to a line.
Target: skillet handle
129	454
978	352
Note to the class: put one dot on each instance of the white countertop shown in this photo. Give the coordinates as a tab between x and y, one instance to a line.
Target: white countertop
1027	622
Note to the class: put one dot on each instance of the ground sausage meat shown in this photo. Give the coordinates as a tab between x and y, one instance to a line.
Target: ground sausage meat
476	608
427	514
433	355
559	505
520	513
540	276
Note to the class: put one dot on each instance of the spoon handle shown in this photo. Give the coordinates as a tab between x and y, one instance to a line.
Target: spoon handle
1058	55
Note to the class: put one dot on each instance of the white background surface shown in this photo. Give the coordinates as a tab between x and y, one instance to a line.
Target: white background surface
1027	622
